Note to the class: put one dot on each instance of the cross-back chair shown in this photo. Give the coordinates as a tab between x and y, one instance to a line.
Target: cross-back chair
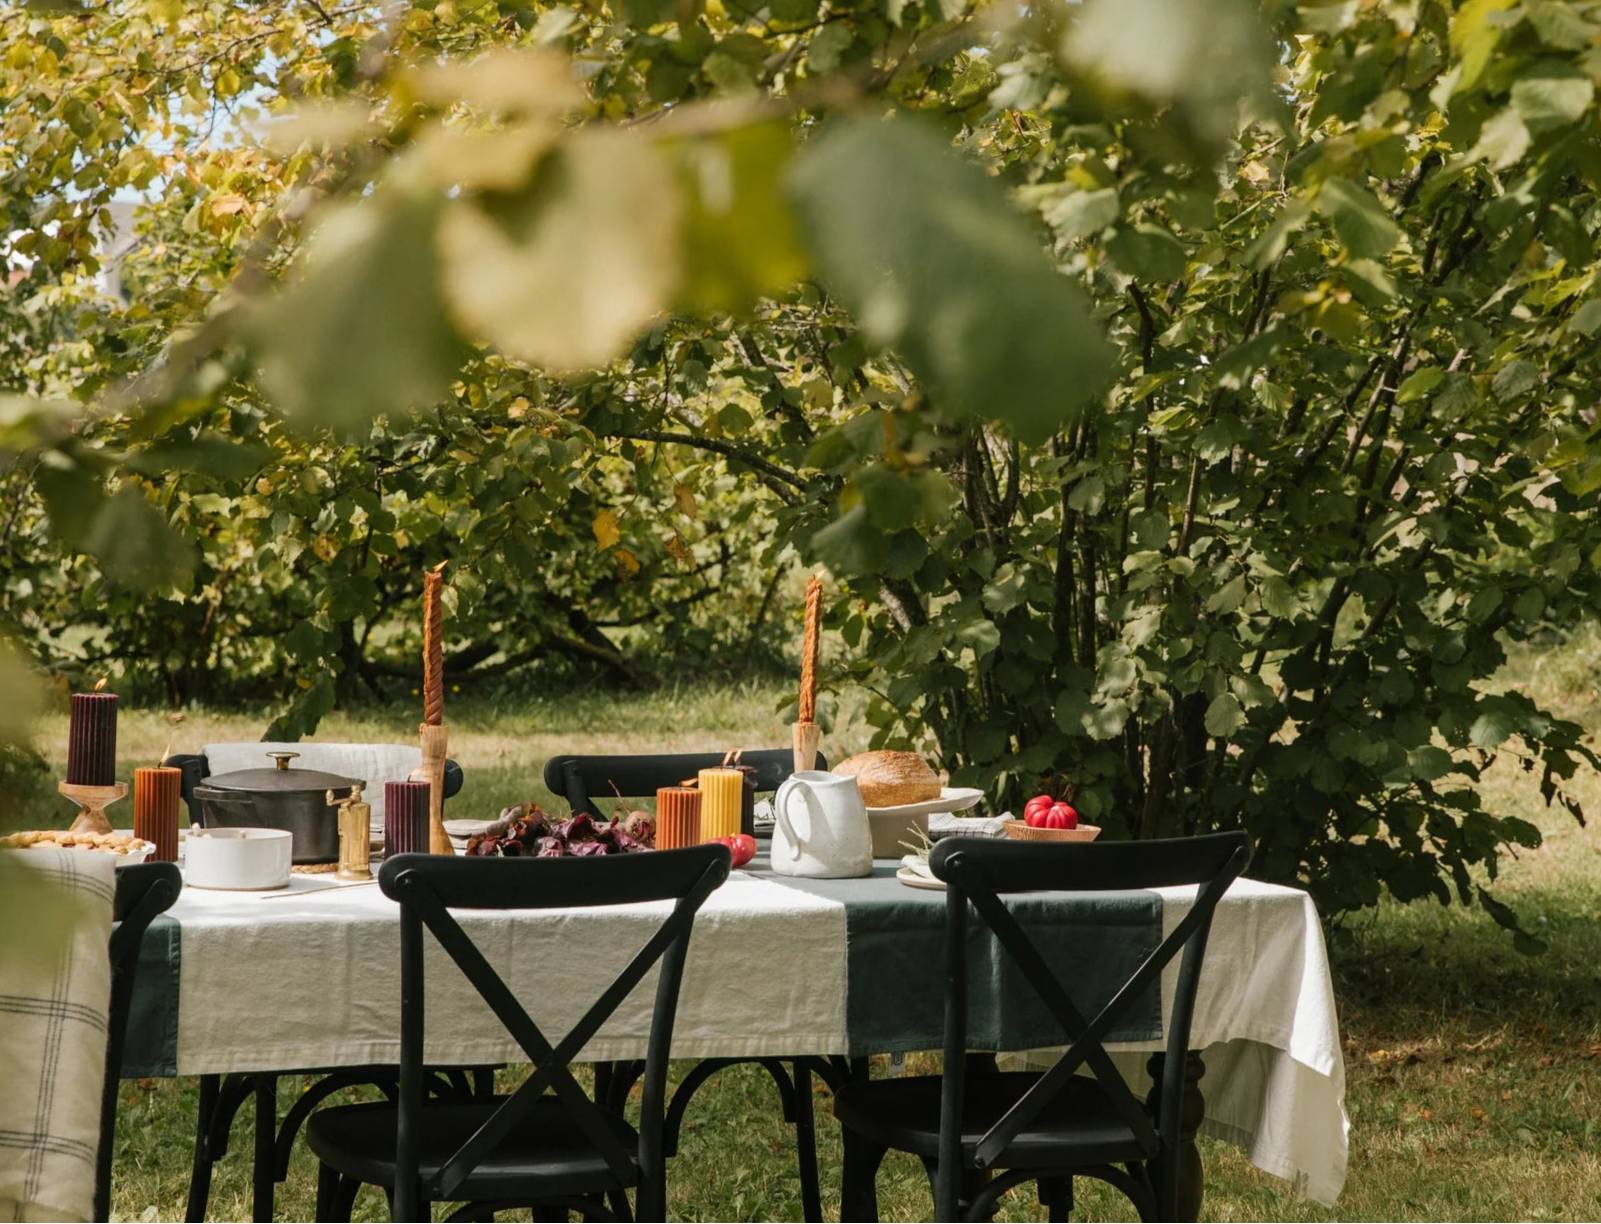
144	891
981	1133
546	1145
586	781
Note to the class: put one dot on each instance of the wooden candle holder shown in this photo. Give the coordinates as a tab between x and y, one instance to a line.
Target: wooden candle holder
93	801
806	737
435	742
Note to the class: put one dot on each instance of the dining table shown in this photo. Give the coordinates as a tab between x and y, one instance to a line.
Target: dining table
309	977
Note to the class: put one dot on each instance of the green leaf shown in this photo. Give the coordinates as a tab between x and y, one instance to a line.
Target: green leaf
1147	252
135	546
72	497
740	237
1514	378
1224	716
1551	95
1358	218
851	544
892	501
1082	213
360	329
567	273
827	47
1494	725
213	456
1587	318
1418	384
982	636
932	259
1429	761
1228	597
1173	52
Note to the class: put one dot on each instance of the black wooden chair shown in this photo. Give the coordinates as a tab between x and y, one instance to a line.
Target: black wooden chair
581	780
144	890
546	1145
222	1096
1053	1126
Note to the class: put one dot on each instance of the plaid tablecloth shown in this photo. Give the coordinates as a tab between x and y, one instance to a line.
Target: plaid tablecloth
55	992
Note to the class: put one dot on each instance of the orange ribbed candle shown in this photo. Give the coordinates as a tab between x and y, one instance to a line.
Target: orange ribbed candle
677	817
156	796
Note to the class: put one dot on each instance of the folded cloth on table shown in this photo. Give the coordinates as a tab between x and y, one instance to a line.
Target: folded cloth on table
943	824
55	997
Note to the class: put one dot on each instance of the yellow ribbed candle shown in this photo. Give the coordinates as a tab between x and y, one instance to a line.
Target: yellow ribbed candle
722	793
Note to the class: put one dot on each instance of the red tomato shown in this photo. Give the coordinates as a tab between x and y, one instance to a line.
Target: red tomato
1061	816
1034	811
742	846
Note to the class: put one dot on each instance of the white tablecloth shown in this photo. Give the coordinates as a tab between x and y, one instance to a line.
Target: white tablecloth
311	979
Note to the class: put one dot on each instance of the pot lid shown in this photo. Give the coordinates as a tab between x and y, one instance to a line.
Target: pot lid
282	778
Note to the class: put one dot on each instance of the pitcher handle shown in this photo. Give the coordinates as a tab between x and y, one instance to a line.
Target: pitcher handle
781	816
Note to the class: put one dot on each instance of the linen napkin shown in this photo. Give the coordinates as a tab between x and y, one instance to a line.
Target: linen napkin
55	995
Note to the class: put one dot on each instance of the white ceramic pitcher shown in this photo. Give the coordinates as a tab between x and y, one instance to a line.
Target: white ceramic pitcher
820	827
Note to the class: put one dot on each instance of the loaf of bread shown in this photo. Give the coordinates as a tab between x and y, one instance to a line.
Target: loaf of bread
889	779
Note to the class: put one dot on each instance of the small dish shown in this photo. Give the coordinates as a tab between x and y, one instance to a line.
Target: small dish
913	879
1019	830
238	860
951	799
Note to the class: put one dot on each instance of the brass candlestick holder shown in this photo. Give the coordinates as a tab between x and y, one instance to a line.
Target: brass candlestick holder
92	802
435	743
355	847
806	738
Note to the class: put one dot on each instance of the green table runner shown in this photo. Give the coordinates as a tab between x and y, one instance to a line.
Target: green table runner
895	949
152	1046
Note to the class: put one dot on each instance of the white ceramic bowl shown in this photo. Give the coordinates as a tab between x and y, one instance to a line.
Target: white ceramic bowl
237	858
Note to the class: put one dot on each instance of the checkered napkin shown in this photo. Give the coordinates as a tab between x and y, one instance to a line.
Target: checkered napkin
55	992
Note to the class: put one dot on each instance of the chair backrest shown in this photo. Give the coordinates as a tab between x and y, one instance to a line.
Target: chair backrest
582	779
428	886
981	872
144	890
376	763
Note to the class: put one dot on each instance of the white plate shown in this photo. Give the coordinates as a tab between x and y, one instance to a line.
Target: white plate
912	880
951	799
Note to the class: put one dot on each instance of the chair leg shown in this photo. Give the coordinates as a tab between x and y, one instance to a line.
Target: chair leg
858	1198
1056	1196
327	1191
345	1203
266	1158
200	1174
806	1146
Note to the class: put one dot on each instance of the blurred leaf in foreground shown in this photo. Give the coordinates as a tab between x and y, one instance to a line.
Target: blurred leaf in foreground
565	274
930	256
359	329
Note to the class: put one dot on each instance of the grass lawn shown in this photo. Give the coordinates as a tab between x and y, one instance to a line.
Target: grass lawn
1473	1085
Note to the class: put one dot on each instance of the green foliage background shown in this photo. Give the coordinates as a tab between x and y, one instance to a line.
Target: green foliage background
1191	438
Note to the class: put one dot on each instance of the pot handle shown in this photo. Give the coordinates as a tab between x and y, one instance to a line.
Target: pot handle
224	799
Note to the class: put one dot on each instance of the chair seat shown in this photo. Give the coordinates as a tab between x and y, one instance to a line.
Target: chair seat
544	1155
1078	1127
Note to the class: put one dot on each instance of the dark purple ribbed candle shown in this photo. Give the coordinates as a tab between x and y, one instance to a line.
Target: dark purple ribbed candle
92	740
747	806
405	818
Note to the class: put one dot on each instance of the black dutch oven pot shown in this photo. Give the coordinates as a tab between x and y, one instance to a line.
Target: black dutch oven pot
280	798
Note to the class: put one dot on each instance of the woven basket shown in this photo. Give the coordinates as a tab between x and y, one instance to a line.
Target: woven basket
1018	830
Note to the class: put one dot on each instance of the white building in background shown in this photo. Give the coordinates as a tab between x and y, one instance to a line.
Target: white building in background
114	241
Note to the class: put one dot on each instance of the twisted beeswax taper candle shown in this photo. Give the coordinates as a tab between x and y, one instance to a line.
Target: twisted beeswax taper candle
809	649
433	659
